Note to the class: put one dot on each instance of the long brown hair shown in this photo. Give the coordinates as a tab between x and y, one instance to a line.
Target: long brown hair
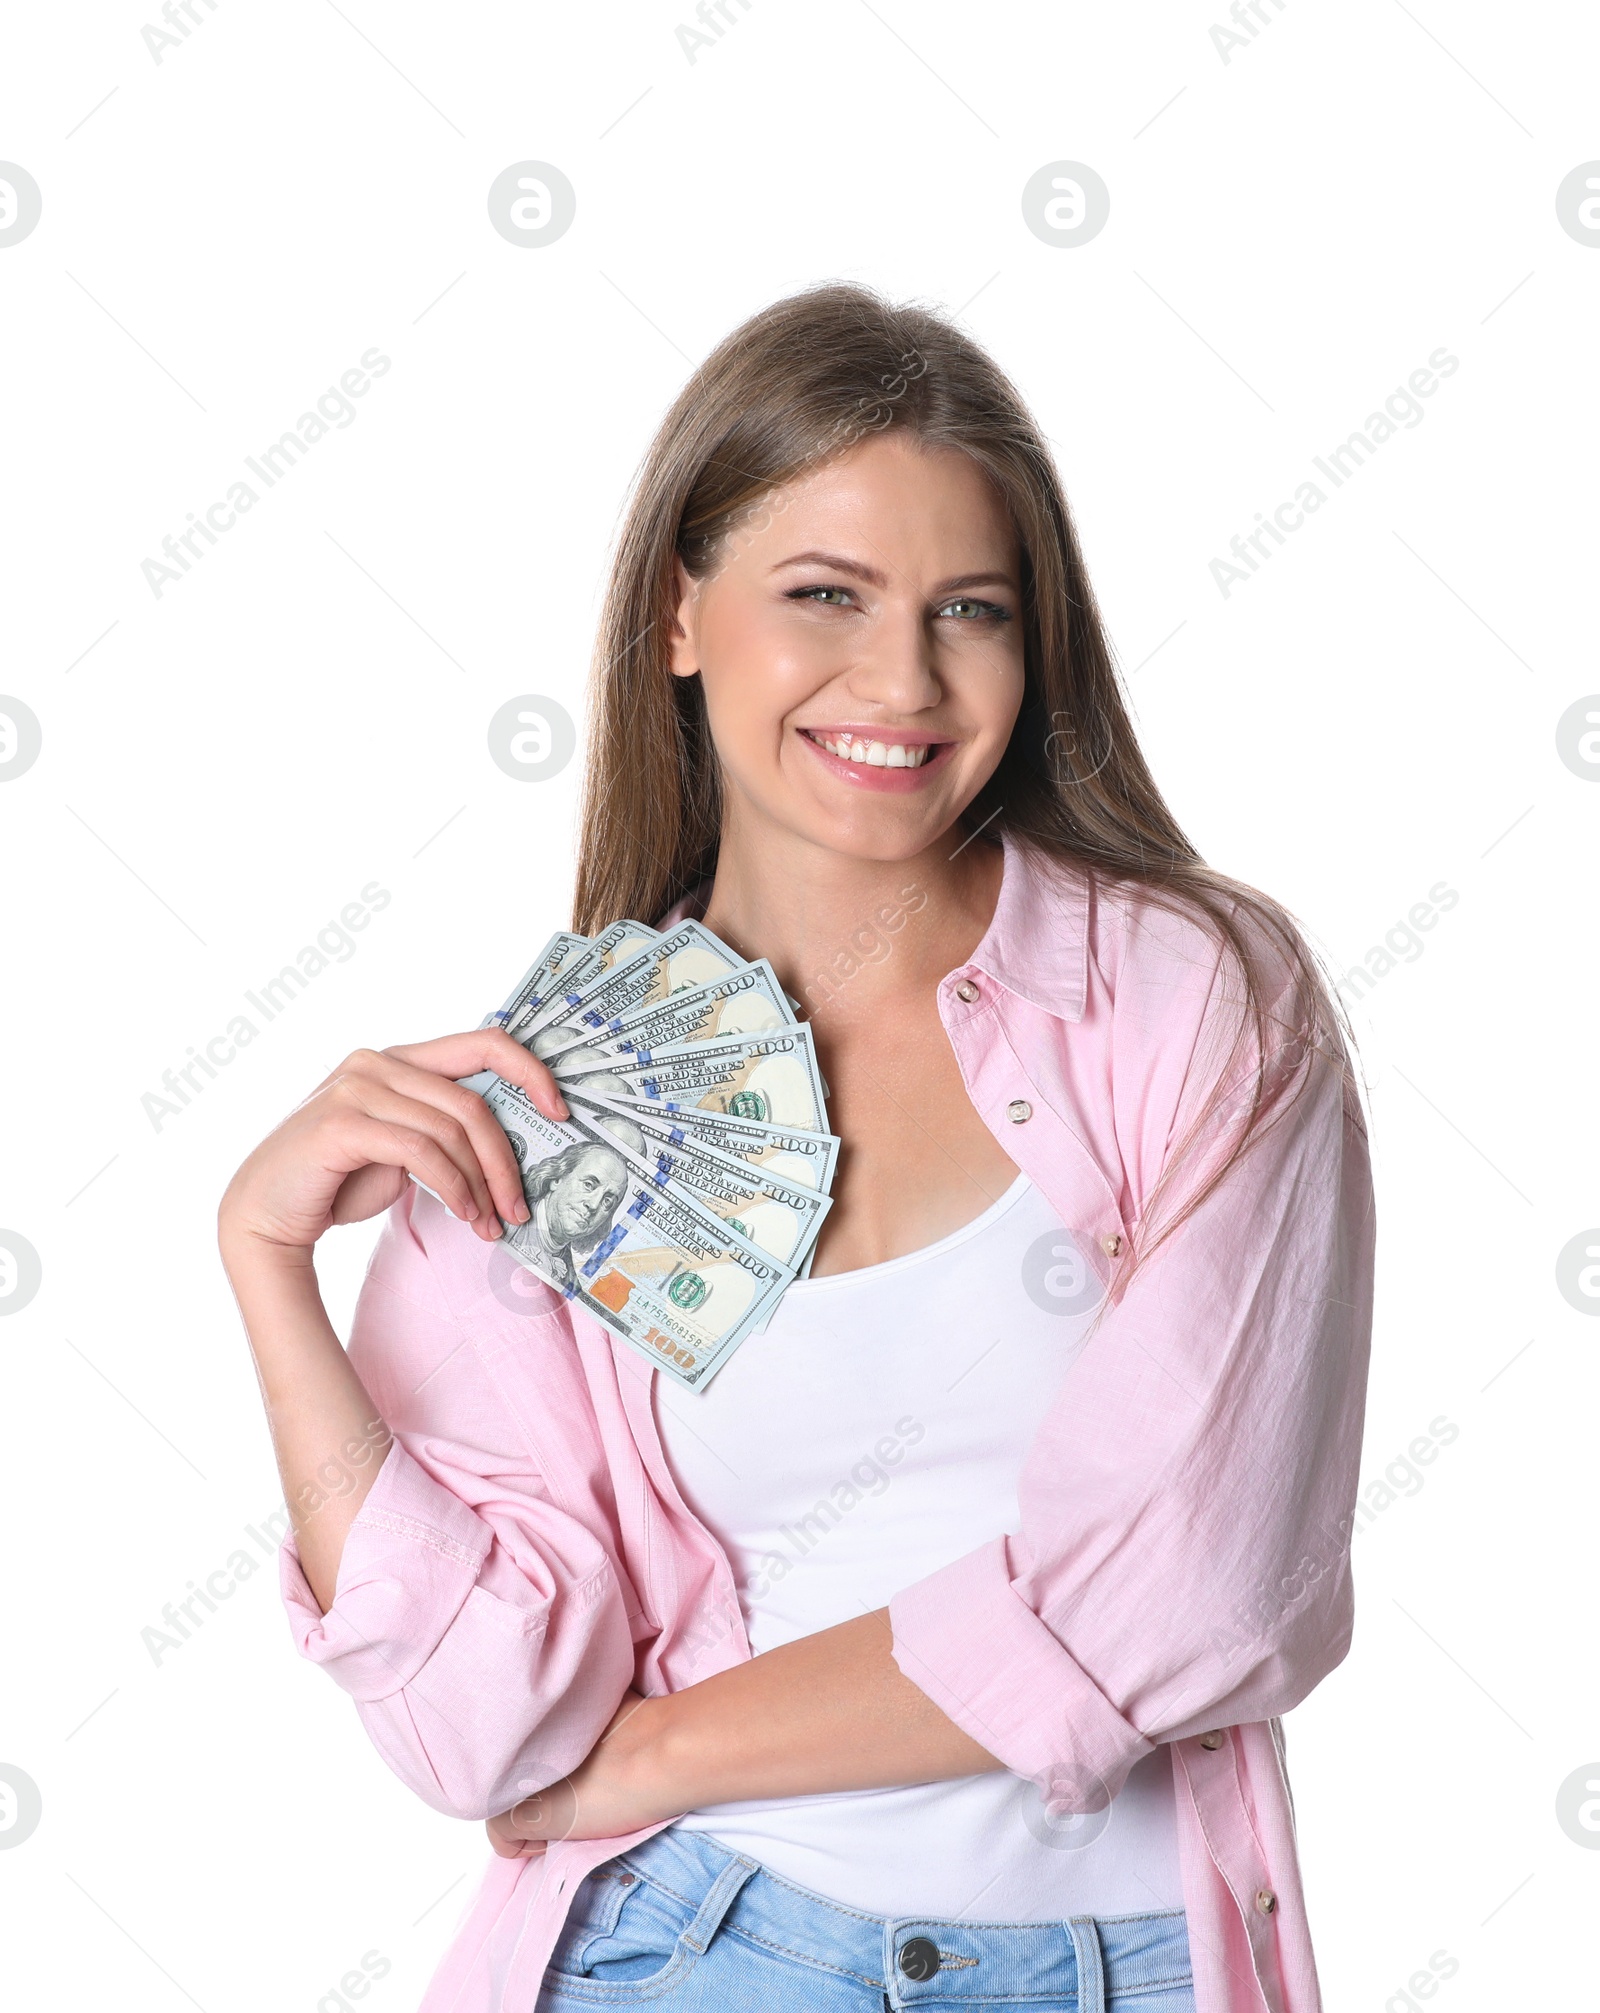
800	382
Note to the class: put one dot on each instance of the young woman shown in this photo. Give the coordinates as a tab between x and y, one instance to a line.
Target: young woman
935	1650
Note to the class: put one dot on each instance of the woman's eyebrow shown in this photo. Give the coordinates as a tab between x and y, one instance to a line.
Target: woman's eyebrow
871	575
977	580
838	564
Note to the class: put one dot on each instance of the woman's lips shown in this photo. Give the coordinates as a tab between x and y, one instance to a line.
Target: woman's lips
906	765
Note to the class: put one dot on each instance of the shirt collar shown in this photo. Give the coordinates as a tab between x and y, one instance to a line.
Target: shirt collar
1037	942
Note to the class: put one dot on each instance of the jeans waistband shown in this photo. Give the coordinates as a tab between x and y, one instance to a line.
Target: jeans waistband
915	1960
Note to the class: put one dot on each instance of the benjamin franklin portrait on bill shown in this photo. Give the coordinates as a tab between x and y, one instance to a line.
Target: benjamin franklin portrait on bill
573	1198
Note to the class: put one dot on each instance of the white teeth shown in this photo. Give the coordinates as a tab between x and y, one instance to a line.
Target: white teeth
876	754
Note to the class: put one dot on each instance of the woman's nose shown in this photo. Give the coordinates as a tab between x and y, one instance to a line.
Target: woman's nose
895	666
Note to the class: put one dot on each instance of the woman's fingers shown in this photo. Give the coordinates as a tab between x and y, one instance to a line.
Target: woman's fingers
550	1813
429	1069
413	1100
409	1094
399	1108
482	1129
456	1055
422	1075
508	1842
385	1143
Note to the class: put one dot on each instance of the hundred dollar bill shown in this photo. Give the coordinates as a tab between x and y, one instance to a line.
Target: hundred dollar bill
747	1000
533	988
769	1077
672	1280
780	1217
679	960
599	956
805	1158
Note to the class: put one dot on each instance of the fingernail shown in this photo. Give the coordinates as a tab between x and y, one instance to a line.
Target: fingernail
523	1212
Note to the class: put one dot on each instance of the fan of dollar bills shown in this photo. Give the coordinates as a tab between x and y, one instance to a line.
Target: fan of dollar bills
687	1188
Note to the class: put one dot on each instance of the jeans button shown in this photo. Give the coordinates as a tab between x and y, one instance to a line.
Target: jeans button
919	1958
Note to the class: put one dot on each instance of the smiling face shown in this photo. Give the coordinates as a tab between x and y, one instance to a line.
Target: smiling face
861	650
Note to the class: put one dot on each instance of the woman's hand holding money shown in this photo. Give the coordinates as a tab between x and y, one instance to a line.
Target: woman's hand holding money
382	1116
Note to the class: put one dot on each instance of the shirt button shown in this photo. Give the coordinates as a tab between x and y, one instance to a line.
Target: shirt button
1111	1245
967	991
1019	1111
1213	1740
1266	1900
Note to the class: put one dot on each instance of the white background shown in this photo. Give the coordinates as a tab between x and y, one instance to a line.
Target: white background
1292	232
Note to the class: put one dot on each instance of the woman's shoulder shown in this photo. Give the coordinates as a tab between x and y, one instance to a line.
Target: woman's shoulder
1073	924
1154	959
1192	939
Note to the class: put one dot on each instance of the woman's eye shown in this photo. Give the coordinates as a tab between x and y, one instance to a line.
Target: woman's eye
966	609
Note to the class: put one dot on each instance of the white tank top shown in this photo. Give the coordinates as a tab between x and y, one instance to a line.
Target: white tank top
870	1434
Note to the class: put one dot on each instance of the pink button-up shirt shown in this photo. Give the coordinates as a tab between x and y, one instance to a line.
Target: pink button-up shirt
1180	1573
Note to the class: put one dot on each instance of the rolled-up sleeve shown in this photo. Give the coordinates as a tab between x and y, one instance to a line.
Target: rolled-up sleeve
479	1619
1182	1556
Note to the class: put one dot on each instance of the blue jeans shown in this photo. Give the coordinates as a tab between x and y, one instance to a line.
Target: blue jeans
682	1922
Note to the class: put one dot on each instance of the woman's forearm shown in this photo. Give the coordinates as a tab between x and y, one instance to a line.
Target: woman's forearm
382	1119
326	1432
831	1711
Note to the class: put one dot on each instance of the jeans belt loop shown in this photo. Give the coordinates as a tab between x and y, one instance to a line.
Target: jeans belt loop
1091	1970
720	1897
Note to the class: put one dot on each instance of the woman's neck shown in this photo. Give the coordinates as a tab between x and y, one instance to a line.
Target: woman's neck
838	928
